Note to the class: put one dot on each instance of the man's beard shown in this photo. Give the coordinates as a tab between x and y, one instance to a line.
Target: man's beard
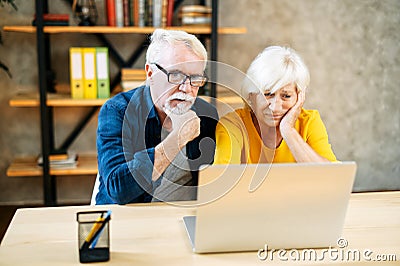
181	107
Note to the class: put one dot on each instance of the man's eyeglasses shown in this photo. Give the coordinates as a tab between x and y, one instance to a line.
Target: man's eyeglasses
178	78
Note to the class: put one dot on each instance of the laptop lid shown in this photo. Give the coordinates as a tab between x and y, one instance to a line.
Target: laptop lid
245	207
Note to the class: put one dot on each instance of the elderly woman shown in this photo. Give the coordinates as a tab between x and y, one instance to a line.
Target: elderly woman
273	126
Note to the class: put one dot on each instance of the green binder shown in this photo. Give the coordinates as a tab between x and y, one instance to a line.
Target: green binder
103	73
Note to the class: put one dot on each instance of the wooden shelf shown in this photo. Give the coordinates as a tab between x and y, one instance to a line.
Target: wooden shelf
118	30
62	98
53	99
27	166
65	100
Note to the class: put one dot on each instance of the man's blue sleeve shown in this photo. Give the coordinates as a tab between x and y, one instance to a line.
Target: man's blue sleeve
126	176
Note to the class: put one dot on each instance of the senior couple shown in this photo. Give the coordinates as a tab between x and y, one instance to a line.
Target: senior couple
152	140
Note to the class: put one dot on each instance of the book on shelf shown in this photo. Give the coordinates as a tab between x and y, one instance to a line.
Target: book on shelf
140	13
157	12
149	7
58	156
132	78
53	20
170	12
52	23
128	85
110	12
196	9
125	13
195	15
54	17
119	13
196	21
134	12
61	161
133	74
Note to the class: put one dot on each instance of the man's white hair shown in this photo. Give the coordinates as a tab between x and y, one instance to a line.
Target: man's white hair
161	38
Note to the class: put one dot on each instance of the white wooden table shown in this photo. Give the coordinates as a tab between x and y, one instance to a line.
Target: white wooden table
155	235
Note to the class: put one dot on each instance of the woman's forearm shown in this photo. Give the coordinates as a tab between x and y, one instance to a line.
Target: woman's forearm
301	151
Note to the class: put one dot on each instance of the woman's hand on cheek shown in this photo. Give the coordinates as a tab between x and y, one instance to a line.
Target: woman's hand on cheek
289	120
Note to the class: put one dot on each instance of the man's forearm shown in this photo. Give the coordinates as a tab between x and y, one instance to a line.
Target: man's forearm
164	153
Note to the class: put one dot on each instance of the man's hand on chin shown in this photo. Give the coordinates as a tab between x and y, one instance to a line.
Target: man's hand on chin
186	126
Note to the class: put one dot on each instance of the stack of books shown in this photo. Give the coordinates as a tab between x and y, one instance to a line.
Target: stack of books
141	13
61	161
132	78
54	20
195	15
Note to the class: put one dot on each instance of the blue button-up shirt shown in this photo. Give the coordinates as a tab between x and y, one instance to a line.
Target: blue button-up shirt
128	130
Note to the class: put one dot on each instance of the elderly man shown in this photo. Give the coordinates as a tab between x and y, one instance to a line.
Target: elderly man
152	140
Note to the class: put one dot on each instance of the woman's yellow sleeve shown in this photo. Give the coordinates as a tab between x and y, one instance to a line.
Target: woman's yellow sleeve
229	143
317	138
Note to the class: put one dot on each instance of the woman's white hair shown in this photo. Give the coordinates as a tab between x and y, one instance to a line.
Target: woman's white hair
274	68
161	38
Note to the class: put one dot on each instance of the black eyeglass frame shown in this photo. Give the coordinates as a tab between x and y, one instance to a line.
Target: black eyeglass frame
166	72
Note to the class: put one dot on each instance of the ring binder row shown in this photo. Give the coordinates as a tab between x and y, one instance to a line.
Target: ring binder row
89	72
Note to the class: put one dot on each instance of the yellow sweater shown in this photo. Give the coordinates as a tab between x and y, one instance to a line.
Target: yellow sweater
238	140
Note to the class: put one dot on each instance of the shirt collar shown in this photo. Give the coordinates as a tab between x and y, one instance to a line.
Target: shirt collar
149	103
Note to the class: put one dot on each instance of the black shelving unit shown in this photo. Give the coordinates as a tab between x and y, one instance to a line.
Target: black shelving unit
46	84
46	112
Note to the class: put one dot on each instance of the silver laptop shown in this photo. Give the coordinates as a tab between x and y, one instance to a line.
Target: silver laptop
245	207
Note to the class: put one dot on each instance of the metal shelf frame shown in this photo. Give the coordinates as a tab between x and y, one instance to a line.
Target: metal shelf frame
46	84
